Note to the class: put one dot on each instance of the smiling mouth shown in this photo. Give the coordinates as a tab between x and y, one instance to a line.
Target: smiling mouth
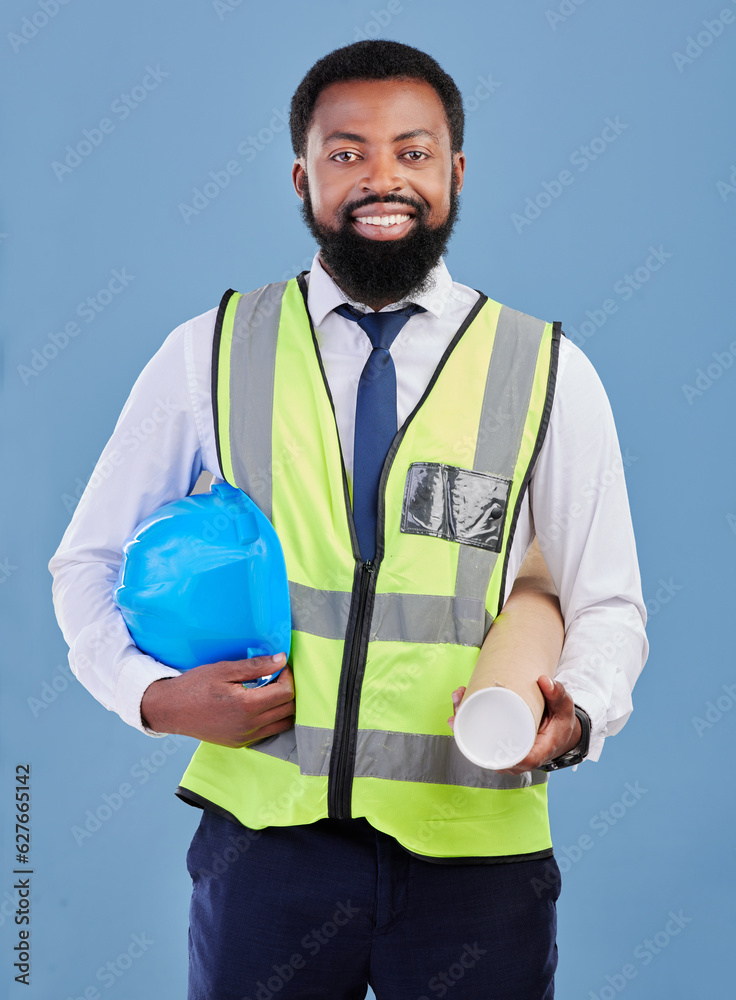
384	221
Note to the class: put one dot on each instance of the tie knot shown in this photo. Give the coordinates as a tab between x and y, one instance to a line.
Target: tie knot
381	328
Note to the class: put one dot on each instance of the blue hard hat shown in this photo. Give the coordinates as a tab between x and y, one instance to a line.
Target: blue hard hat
203	579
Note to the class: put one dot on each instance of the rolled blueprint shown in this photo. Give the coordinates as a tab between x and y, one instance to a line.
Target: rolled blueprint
498	718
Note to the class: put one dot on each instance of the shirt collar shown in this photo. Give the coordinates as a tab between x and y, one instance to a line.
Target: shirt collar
324	295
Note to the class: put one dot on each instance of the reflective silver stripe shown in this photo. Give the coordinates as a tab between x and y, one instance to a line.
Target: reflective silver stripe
319	612
508	391
393	756
426	618
503	415
252	366
431	759
474	568
396	617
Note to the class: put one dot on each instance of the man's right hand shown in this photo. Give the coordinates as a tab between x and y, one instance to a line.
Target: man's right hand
211	704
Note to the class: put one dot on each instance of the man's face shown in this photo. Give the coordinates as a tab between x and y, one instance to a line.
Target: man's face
379	185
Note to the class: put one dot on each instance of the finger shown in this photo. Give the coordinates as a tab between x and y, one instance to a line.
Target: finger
261	699
281	686
275	714
266	726
286	679
232	734
547	746
260	666
457	697
554	691
246	670
273	692
262	732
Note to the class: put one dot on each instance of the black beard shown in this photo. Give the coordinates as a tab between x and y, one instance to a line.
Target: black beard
382	270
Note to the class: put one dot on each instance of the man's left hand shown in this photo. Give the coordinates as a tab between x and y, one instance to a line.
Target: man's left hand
559	730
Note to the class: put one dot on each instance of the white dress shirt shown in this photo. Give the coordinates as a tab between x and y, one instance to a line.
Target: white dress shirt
164	439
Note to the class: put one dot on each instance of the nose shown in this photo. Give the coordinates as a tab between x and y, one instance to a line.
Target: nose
382	174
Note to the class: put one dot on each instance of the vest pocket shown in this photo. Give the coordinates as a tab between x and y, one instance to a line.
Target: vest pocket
459	505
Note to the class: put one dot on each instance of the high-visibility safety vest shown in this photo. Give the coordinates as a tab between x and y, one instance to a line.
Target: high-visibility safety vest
377	648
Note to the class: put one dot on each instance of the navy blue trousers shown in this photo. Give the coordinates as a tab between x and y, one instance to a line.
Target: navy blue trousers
326	909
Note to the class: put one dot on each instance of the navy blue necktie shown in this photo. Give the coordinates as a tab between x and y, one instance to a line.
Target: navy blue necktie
375	417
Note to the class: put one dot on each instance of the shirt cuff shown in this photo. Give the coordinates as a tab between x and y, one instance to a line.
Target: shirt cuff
598	720
136	673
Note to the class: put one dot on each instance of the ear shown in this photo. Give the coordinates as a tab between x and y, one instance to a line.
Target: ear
458	169
298	173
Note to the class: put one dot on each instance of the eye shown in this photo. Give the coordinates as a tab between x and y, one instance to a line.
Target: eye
415	155
338	157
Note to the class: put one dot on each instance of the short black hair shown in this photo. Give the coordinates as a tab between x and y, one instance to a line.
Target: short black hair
374	60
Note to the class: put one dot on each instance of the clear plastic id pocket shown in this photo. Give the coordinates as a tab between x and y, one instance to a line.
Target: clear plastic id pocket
457	504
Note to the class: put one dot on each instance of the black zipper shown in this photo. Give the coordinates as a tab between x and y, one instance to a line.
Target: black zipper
345	737
342	760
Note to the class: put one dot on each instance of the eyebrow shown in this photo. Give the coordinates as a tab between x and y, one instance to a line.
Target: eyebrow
354	137
417	133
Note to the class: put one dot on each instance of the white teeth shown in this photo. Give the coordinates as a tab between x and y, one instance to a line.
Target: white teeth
383	220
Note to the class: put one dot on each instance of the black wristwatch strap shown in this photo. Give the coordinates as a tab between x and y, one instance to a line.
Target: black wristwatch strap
579	752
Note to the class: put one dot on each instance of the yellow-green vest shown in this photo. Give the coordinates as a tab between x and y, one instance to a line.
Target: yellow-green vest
378	648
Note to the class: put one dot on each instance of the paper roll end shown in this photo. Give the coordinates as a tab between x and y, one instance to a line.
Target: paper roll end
495	728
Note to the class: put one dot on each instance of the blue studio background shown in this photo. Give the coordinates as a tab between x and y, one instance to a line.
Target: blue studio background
632	249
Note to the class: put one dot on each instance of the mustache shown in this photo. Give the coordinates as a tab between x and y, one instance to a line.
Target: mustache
389	199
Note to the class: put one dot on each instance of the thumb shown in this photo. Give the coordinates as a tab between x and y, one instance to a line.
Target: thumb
553	691
248	670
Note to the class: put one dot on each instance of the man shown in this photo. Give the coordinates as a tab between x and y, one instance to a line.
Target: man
407	436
